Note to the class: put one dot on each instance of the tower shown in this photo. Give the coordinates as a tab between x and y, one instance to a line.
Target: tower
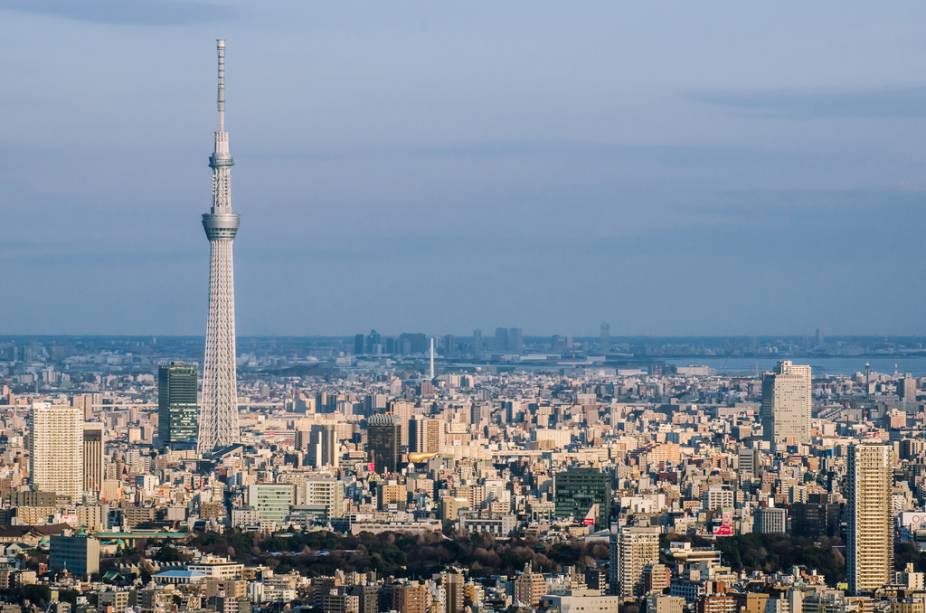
431	370
56	445
870	563
177	405
637	547
218	423
384	435
786	404
94	458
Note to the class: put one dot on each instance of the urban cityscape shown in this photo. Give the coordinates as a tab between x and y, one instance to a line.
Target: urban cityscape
440	470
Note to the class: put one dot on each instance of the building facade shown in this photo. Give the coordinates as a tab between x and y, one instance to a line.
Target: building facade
786	404
870	560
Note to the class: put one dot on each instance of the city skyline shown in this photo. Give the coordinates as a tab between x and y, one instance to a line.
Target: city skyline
685	199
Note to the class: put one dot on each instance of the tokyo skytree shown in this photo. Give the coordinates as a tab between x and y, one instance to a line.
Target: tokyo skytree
218	419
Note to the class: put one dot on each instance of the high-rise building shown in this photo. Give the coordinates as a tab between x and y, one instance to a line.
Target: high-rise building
604	338
452	582
56	441
870	560
515	340
501	340
178	409
93	459
906	389
323	445
384	434
637	547
786	404
218	423
424	434
579	490
477	343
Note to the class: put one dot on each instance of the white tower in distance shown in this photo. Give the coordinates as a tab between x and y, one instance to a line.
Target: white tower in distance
218	420
432	372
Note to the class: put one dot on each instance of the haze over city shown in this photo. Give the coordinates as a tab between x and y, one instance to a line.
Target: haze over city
678	169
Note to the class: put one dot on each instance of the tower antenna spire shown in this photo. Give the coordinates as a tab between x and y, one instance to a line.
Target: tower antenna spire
220	95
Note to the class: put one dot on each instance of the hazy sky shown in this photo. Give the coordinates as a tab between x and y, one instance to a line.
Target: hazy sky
671	167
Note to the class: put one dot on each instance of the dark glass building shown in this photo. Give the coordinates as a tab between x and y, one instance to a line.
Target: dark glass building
178	409
578	489
384	435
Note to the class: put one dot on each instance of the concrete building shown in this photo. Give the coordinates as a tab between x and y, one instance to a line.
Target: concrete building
78	554
323	446
771	520
93	458
870	546
786	404
56	447
638	546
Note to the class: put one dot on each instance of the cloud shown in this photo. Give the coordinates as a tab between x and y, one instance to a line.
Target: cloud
124	12
886	103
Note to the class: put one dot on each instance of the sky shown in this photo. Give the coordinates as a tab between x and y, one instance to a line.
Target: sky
672	168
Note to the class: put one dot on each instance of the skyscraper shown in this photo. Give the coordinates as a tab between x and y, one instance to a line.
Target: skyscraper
424	434
637	547
870	561
604	337
383	439
93	457
177	405
786	404
56	440
515	340
323	445
218	423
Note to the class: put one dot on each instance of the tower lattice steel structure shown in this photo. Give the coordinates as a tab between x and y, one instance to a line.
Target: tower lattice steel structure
218	420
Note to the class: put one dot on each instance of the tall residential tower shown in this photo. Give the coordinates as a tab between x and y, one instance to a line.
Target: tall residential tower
870	560
218	422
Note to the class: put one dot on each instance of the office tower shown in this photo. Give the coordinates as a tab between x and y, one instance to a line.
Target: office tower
323	445
604	337
424	434
56	440
383	438
638	546
177	405
93	458
870	560
477	343
218	423
431	372
580	490
515	340
747	462
501	340
786	404
906	389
